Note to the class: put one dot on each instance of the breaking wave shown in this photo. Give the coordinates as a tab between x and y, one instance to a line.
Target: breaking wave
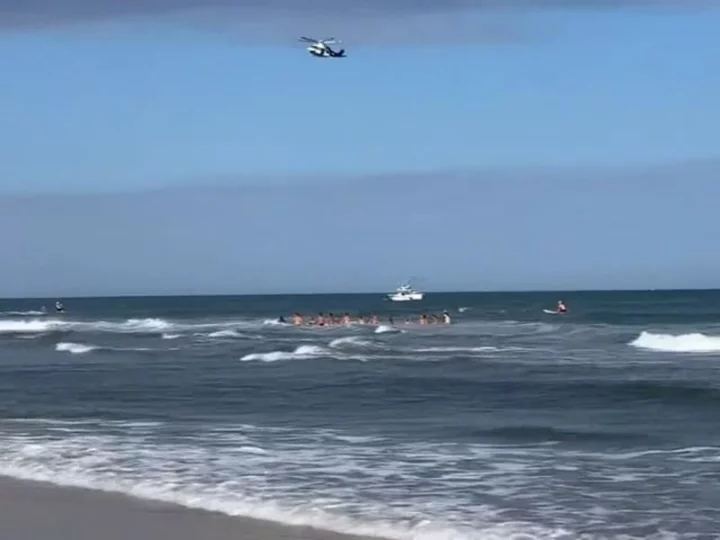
689	343
229	333
387	329
282	474
290	475
75	348
459	349
303	351
150	325
84	348
351	341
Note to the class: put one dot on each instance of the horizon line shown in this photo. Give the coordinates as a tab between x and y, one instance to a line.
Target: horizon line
324	177
378	293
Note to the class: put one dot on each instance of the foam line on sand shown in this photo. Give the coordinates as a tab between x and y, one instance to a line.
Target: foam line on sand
39	511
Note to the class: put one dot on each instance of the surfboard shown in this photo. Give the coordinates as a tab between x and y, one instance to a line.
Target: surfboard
550	312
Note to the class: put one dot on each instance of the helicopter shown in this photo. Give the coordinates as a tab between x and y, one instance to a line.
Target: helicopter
321	48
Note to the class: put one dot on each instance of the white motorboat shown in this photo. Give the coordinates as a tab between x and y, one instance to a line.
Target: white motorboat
405	293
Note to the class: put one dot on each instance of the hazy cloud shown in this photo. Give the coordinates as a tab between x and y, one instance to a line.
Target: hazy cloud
644	227
369	21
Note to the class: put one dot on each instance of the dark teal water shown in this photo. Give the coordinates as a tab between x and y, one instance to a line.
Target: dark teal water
508	423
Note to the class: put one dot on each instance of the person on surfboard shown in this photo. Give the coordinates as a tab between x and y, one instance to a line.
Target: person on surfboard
561	307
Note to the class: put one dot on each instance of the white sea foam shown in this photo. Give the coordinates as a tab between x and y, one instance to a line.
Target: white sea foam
459	349
303	351
689	343
153	324
387	329
75	348
365	485
352	341
150	325
228	333
339	349
53	325
84	348
30	326
275	322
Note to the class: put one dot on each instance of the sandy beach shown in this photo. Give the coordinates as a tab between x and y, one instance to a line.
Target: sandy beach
40	511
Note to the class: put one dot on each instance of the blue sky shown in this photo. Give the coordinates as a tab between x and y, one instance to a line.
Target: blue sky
548	101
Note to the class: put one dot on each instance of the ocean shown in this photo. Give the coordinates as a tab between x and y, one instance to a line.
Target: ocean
508	423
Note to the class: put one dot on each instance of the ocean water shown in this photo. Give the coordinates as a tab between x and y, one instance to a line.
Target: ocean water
509	423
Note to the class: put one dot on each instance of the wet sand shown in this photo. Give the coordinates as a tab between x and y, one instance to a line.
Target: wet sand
40	511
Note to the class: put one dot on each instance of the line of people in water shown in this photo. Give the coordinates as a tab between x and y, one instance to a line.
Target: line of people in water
331	319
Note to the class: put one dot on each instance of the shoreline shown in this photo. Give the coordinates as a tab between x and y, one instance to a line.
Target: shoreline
34	510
